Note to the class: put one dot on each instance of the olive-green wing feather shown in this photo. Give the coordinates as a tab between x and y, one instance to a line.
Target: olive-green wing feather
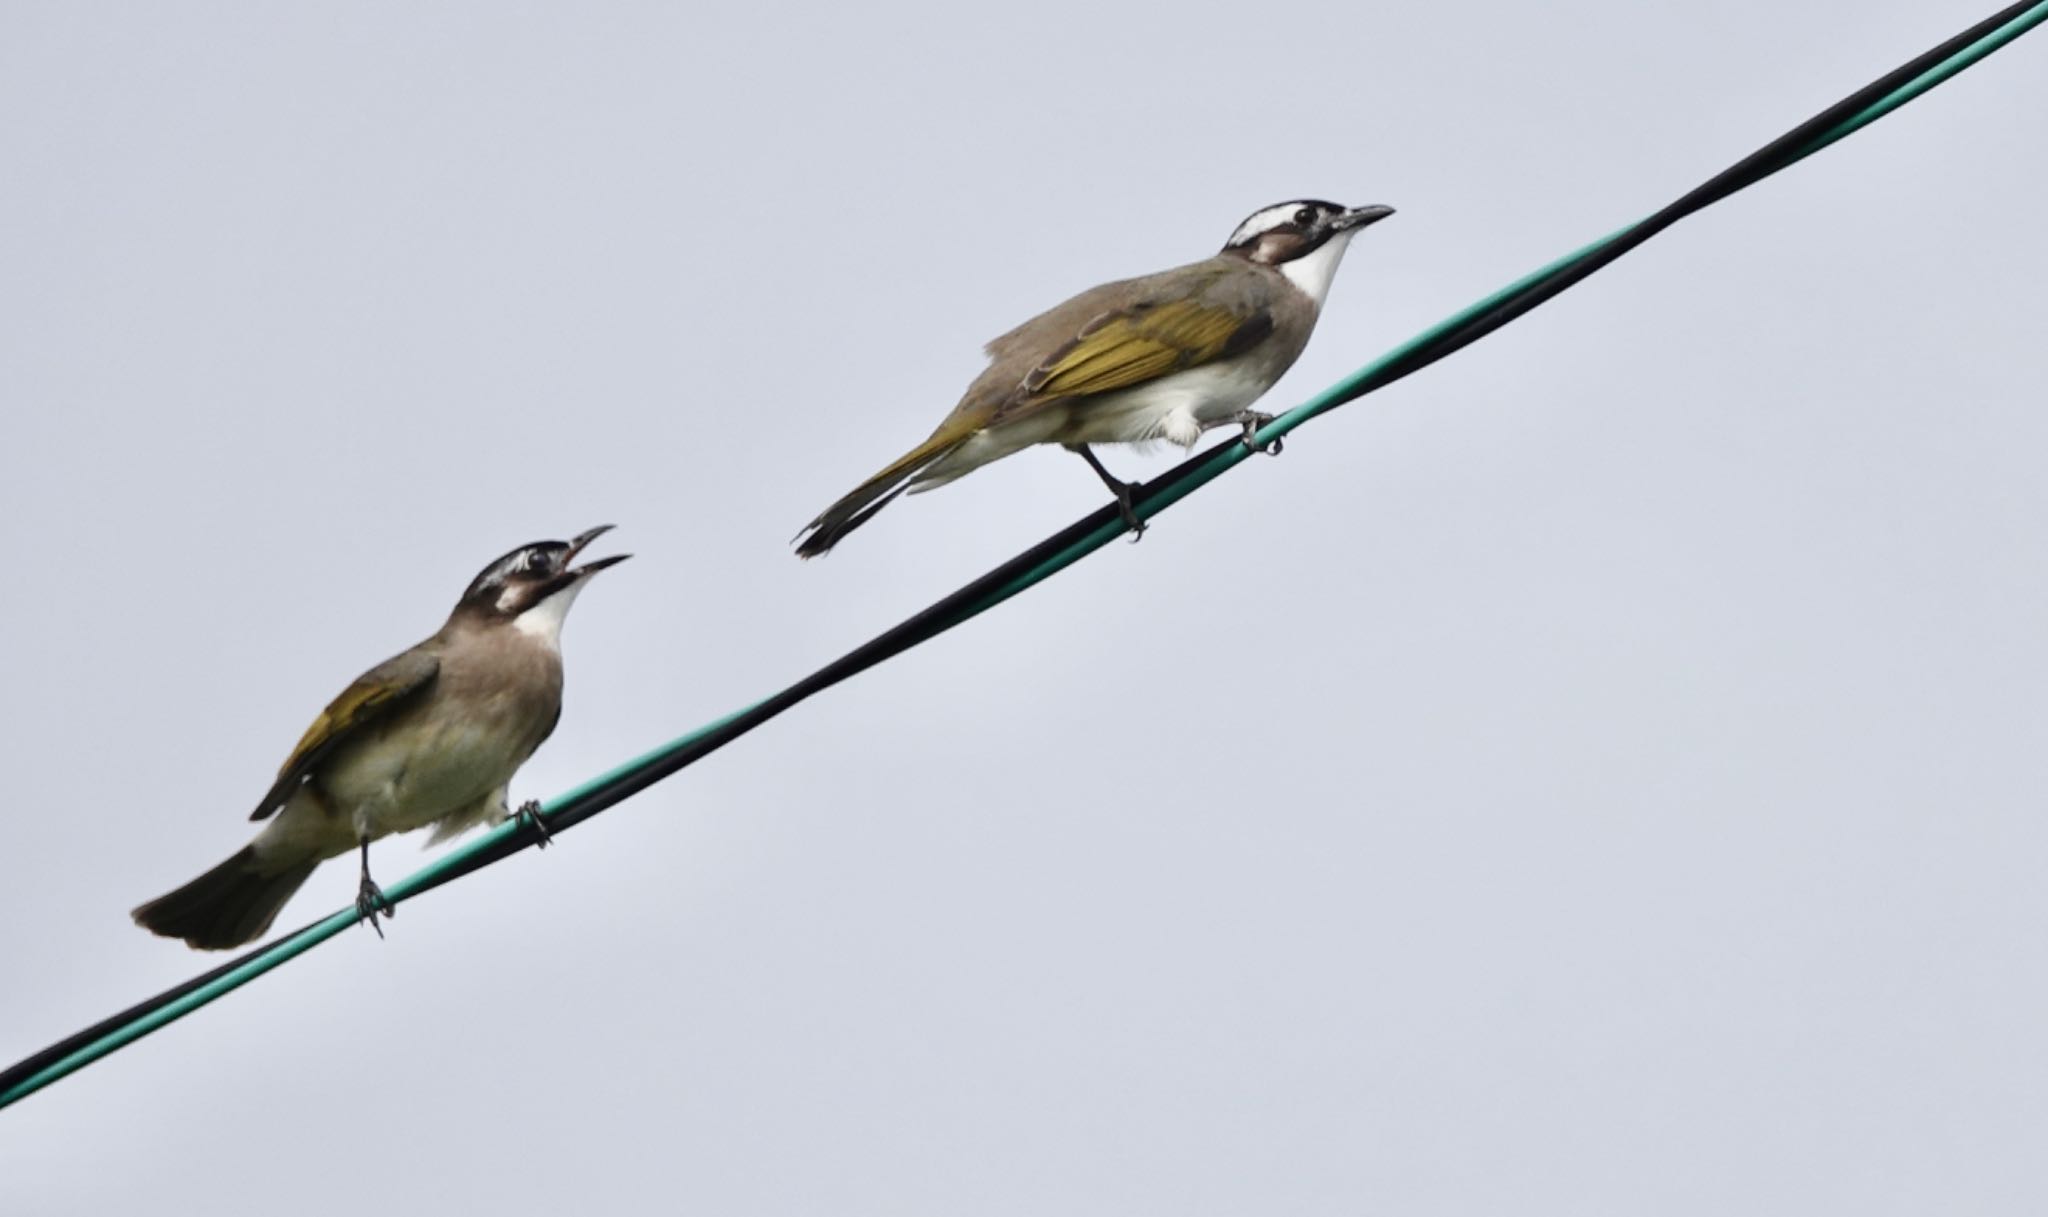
1126	348
374	694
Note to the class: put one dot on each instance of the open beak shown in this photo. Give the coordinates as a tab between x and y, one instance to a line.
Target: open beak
589	568
1359	217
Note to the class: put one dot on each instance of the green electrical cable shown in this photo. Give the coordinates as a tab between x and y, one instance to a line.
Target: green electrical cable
1056	553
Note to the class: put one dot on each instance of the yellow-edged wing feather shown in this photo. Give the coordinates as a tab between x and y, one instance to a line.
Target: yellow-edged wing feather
374	694
1127	348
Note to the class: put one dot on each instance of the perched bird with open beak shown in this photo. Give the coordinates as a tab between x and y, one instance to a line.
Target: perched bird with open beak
1167	356
428	737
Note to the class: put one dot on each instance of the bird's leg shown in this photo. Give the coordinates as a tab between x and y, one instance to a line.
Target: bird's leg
1121	489
370	899
1252	420
529	815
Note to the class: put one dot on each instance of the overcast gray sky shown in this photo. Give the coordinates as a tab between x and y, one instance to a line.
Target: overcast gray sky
1602	774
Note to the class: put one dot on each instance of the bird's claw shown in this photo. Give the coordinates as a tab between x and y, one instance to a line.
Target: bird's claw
1129	512
1252	421
1118	487
529	815
370	901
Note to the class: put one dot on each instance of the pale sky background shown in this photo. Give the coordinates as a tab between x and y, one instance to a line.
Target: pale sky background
1601	775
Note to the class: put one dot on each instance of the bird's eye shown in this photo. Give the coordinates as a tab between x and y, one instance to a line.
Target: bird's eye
1305	216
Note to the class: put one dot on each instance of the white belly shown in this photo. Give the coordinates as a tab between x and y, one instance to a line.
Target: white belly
397	782
412	778
1175	408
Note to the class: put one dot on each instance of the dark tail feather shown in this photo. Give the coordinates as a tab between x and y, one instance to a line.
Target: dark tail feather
232	904
871	496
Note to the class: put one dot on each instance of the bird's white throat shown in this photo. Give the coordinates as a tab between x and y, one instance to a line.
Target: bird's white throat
544	620
1313	271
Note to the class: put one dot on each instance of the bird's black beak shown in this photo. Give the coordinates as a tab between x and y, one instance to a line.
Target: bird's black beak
1359	217
570	575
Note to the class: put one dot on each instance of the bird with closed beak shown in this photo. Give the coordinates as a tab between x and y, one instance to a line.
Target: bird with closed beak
429	737
1163	357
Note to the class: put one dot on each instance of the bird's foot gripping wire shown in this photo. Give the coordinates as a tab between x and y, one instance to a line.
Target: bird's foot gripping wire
1125	505
1129	512
370	899
529	816
370	902
1252	420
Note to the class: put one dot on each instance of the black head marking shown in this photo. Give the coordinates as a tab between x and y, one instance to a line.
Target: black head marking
1286	231
519	579
531	574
